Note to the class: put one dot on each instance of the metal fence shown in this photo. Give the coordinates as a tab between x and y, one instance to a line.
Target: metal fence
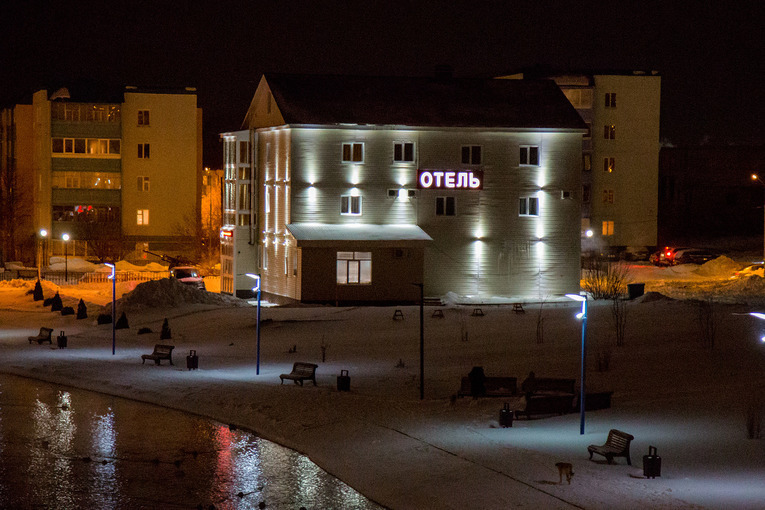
77	277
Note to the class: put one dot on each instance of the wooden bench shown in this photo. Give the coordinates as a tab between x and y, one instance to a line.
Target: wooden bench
398	314
617	445
477	312
301	372
518	308
438	314
43	336
547	404
493	386
548	395
160	352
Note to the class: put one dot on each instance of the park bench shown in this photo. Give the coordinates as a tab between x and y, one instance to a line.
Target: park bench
548	395
301	372
493	386
43	336
617	445
160	352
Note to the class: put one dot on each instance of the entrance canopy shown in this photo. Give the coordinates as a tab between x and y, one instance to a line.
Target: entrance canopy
324	234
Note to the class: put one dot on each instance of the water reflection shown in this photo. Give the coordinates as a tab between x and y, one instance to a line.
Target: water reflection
69	449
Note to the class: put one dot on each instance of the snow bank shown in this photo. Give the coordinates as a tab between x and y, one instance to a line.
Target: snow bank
721	267
168	293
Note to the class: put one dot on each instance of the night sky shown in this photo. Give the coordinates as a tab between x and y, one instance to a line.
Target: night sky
709	53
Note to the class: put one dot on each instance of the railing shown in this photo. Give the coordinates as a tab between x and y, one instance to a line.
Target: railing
76	277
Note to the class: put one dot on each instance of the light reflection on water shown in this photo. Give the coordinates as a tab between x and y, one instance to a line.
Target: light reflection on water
70	449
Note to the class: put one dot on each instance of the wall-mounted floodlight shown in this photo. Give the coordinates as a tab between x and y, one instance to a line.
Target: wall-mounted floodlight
582	375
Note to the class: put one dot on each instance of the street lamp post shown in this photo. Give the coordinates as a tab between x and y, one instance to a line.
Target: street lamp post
41	254
756	177
114	310
422	341
65	237
256	289
582	392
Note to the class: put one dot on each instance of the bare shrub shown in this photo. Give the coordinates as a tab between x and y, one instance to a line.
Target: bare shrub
619	314
604	279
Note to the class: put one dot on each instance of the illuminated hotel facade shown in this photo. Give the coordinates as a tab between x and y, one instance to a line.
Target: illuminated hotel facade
361	187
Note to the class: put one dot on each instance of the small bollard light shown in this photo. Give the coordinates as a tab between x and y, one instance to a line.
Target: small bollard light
61	340
343	381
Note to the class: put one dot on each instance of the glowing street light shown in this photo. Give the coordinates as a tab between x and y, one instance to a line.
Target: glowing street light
41	257
756	177
256	289
65	237
114	310
759	316
583	317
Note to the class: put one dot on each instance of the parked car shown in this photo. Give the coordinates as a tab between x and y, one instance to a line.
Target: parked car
693	256
757	269
188	275
665	256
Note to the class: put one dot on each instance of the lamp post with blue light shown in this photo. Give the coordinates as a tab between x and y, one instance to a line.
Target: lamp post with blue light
114	299
256	289
583	317
756	178
759	316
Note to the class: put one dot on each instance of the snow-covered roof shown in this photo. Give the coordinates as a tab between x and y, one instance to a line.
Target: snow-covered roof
307	232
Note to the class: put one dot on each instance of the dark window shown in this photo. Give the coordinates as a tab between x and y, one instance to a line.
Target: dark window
471	154
445	206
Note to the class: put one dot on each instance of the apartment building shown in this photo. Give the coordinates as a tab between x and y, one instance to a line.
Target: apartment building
363	188
620	154
117	173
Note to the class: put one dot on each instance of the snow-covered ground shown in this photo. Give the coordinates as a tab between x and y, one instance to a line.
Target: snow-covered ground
669	391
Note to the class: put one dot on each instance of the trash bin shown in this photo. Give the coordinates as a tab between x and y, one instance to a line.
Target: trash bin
506	416
651	463
635	290
61	340
192	360
343	381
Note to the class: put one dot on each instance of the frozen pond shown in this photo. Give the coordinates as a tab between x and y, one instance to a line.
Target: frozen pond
69	449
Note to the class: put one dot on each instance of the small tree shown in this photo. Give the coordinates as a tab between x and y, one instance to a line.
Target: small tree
619	314
38	293
82	310
165	333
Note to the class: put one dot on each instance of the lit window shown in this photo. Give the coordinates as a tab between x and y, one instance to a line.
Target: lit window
350	205
609	165
608	228
143	183
529	155
445	206
353	152
610	99
608	196
143	151
609	132
143	117
528	206
579	98
403	152
587	162
142	217
354	267
471	154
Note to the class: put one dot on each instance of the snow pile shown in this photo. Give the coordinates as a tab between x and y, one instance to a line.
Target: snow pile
721	267
123	265
168	293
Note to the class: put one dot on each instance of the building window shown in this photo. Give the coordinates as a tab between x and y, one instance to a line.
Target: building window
528	206
92	147
403	152
610	99
471	154
445	206
566	194
143	151
143	183
608	196
609	165
587	162
608	228
585	193
353	153
143	117
142	217
354	267
350	205
244	152
529	155
609	132
579	98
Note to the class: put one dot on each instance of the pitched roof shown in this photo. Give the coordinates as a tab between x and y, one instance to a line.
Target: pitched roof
426	101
